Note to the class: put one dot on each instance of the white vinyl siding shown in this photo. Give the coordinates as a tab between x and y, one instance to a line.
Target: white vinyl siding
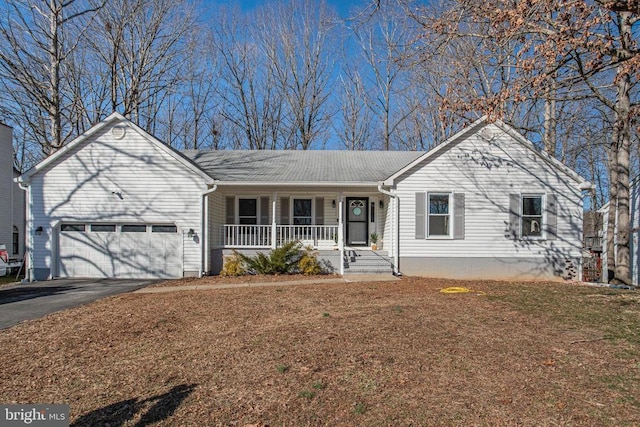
487	173
124	181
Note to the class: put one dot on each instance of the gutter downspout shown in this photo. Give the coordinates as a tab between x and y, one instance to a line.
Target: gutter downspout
341	232
204	229
395	237
29	227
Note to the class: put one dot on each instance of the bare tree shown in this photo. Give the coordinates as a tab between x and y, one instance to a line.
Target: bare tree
252	104
296	38
140	47
385	40
354	129
38	39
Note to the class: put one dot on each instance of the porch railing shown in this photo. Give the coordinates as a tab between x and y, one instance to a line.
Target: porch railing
246	236
261	236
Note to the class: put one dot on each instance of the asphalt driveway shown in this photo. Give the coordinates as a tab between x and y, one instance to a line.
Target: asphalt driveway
37	299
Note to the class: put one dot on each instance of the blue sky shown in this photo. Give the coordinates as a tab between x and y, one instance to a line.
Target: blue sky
341	6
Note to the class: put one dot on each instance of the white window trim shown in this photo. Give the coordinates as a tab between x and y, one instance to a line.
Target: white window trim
450	215
543	226
313	209
237	208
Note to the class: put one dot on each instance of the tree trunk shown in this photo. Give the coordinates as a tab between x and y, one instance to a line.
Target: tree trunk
550	119
612	166
623	118
54	79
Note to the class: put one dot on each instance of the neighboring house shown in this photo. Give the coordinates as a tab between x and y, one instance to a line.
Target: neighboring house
484	204
592	244
12	199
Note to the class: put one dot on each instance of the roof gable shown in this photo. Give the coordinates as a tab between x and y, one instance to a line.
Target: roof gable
113	120
476	127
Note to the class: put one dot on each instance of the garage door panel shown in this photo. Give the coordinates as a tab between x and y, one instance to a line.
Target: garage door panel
120	254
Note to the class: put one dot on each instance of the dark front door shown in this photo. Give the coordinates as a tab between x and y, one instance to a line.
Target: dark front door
357	220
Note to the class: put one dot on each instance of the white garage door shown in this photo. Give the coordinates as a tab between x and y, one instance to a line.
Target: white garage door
120	250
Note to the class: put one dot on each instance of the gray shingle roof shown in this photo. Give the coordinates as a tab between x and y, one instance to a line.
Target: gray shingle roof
312	166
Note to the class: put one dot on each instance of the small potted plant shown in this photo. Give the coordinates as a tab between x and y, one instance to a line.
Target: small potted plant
374	241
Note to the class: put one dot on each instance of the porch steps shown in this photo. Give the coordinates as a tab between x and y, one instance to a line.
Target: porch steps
363	261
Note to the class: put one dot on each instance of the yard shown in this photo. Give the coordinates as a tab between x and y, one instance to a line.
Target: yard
387	353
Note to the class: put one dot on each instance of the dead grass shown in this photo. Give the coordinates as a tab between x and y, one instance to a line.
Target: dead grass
390	353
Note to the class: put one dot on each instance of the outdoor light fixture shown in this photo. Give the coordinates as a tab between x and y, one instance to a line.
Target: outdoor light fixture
39	231
191	233
381	204
333	203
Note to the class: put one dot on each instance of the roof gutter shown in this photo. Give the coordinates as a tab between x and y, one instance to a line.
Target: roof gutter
204	226
296	184
395	238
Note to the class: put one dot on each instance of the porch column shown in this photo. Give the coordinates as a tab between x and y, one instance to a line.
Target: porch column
340	233
274	227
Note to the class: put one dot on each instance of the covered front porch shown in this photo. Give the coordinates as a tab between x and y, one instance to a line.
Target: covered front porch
332	222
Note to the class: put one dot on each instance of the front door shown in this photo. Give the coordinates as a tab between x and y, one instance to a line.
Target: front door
357	220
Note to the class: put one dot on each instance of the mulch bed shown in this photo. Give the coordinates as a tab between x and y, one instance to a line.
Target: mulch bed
343	354
249	278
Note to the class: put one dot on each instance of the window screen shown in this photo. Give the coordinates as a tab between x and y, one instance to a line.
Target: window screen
438	215
302	211
531	216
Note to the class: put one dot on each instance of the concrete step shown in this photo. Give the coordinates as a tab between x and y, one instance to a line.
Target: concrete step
367	262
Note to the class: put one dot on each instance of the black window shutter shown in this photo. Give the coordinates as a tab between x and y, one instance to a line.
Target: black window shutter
264	211
420	221
230	209
514	216
552	217
319	210
458	216
284	210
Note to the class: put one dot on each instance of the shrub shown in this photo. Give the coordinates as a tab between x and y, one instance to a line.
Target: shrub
308	263
233	266
282	260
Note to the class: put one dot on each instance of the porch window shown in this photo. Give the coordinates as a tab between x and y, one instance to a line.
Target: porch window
439	215
302	212
248	211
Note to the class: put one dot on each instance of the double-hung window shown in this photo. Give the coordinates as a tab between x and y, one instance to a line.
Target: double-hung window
248	211
302	212
439	215
532	216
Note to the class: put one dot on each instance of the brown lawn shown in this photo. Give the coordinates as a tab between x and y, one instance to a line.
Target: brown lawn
355	354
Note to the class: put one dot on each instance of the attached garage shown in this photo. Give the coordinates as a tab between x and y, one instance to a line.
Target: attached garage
116	202
120	250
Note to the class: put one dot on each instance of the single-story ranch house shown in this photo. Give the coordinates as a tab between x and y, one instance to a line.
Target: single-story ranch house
116	202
